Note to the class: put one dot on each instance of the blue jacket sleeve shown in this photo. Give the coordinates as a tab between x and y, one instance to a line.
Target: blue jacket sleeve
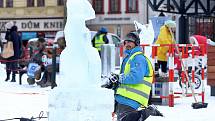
138	69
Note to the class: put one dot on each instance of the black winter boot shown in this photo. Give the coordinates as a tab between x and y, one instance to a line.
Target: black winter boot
30	81
8	77
13	77
43	80
40	82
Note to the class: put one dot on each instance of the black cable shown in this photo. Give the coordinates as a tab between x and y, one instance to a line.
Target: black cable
27	119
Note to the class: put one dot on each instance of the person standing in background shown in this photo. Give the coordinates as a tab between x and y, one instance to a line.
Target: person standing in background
166	36
8	27
99	39
12	62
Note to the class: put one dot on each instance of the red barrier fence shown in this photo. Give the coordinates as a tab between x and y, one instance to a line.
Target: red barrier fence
187	51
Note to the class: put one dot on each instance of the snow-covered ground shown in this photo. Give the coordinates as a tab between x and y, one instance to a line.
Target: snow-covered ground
18	101
182	110
26	101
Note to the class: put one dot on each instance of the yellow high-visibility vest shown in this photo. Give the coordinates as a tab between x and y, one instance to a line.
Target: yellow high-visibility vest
99	41
138	92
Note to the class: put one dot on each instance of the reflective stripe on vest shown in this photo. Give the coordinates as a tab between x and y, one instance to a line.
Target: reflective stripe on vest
99	41
138	92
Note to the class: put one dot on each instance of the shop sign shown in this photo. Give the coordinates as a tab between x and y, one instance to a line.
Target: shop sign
35	24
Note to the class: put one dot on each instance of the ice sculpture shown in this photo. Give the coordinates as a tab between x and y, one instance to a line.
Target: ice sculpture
78	96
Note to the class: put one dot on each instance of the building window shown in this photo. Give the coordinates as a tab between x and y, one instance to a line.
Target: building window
1	4
131	6
9	3
98	6
114	6
30	3
40	3
60	2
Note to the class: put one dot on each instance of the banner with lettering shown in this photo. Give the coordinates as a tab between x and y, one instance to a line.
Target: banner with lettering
33	24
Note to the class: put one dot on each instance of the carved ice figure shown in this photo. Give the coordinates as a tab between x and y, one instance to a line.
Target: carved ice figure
146	34
77	57
78	96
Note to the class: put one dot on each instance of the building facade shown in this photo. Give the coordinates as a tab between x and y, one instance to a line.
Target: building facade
118	15
33	17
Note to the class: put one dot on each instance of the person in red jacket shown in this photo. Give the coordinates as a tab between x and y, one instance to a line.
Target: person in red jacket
200	41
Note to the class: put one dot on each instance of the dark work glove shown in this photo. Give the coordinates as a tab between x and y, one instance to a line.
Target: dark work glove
108	84
113	82
114	78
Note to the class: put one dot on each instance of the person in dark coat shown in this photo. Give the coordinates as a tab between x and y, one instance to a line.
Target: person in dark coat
12	62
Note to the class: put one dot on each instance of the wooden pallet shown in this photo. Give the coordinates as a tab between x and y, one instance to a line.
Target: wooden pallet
211	69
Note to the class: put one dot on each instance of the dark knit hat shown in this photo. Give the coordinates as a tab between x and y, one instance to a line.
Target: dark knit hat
133	37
